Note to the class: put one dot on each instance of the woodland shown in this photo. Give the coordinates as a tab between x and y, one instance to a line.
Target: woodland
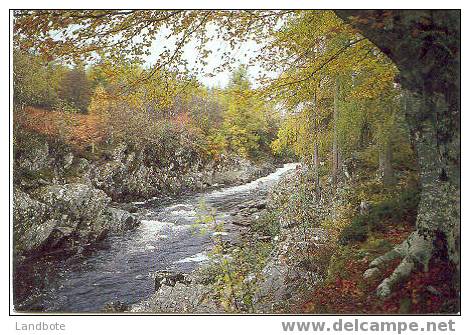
367	102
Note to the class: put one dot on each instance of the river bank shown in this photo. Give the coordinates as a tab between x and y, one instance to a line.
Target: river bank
65	201
235	269
127	254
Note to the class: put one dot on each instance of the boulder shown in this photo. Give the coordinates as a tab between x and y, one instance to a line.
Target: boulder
37	227
105	175
79	201
180	298
69	217
120	219
37	235
119	152
28	214
35	158
170	279
67	160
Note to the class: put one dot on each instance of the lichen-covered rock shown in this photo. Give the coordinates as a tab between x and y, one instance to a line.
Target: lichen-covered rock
35	158
61	217
78	201
37	235
181	298
67	160
109	174
119	152
120	219
68	217
28	214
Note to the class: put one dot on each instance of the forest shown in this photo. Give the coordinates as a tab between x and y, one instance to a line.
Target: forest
319	173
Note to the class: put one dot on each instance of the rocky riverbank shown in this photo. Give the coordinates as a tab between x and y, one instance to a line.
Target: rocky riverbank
196	292
297	259
65	203
66	218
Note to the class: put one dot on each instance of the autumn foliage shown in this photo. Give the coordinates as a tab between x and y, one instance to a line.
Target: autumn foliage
78	130
349	293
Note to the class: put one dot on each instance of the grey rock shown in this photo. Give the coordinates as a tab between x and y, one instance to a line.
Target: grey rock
180	298
364	208
83	164
79	201
28	215
70	216
37	235
170	279
118	152
68	159
120	219
35	158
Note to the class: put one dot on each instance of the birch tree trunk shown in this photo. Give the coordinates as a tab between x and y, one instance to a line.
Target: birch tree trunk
335	152
385	163
316	163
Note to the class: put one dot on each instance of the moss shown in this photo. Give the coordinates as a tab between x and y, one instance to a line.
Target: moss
44	173
339	261
356	232
380	216
75	170
377	245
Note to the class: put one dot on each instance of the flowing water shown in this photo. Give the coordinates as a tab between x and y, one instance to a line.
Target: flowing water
169	238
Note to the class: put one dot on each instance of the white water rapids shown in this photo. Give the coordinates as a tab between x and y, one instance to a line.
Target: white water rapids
167	239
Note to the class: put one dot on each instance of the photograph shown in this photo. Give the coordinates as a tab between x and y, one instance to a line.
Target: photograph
235	162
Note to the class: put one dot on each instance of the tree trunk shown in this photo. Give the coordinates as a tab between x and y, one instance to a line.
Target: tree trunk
438	211
316	164
425	46
335	152
316	157
385	164
364	136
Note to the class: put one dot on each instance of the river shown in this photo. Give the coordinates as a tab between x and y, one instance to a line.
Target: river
169	238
